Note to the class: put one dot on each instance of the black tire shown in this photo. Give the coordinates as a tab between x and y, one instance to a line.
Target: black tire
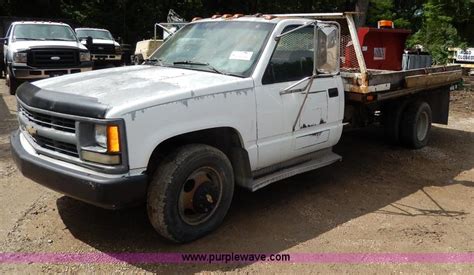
392	115
12	83
415	126
137	59
168	187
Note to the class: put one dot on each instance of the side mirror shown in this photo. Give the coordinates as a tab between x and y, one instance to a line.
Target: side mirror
89	42
4	40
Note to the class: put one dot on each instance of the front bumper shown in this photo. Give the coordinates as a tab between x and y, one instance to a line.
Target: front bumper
105	192
25	72
106	57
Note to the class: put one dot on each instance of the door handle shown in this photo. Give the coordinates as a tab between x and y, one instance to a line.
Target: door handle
333	92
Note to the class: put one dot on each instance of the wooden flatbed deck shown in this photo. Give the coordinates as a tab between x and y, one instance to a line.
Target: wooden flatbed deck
383	85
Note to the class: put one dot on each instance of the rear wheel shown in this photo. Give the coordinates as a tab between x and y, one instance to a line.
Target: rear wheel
415	126
392	115
190	192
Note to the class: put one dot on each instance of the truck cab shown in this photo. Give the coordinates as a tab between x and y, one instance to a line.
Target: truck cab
36	50
104	49
209	111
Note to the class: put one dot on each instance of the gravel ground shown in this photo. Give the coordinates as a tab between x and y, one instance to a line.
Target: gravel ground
380	198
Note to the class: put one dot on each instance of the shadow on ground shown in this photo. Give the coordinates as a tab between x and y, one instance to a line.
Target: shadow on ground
373	175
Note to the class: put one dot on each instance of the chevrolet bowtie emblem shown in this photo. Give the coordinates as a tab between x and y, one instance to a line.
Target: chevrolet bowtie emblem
31	130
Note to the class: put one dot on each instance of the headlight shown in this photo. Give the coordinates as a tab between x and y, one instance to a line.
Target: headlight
118	49
84	56
101	135
108	137
106	148
20	57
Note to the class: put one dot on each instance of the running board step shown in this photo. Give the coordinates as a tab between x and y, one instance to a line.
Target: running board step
328	157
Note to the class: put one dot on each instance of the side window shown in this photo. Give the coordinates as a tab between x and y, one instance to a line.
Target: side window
293	57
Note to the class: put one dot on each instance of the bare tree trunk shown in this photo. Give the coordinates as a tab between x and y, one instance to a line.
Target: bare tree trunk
362	6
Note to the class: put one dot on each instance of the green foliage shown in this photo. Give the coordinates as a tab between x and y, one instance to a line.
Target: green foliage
438	31
388	10
437	24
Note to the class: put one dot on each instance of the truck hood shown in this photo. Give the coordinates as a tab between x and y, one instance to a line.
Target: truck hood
26	45
132	88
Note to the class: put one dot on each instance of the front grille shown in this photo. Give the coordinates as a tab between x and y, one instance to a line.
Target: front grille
53	58
48	121
57	146
102	49
64	128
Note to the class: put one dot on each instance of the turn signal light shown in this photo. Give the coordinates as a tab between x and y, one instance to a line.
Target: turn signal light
113	139
227	15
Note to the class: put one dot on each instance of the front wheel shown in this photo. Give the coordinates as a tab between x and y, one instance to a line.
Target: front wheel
138	59
190	193
415	126
12	82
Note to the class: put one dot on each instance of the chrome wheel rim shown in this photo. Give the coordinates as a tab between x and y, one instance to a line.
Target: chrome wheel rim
422	126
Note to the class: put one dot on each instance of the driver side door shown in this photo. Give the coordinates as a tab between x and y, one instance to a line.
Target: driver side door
296	115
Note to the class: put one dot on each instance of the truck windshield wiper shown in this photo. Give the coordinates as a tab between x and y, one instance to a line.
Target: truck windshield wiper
60	39
27	38
196	63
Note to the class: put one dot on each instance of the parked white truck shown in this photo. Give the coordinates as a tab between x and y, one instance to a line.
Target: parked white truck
36	50
232	100
105	51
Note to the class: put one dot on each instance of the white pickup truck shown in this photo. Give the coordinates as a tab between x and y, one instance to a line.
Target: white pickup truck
226	101
36	50
105	51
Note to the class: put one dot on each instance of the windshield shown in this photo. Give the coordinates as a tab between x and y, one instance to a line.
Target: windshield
95	34
43	32
223	47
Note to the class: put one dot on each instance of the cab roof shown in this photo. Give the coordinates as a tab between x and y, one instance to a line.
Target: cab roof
91	29
274	18
39	23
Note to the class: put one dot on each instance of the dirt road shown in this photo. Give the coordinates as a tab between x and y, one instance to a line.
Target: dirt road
381	198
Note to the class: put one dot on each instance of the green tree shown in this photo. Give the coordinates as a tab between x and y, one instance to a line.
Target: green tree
438	31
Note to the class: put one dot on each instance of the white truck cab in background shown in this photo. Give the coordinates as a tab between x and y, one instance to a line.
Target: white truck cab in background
207	112
36	50
104	49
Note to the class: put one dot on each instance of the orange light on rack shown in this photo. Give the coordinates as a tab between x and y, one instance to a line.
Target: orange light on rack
385	24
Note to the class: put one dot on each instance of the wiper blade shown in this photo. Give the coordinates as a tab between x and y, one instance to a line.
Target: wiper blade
27	38
190	62
59	39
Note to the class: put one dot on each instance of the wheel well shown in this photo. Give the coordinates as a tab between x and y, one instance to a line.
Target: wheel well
437	99
226	139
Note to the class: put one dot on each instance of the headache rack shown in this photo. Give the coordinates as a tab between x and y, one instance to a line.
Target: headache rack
361	84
